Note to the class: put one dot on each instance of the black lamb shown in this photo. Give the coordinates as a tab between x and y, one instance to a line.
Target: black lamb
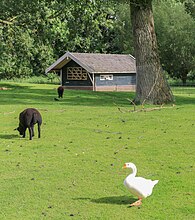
27	119
60	91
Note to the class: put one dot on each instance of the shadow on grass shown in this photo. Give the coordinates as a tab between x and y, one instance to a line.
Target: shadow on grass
187	100
117	200
8	136
22	94
18	94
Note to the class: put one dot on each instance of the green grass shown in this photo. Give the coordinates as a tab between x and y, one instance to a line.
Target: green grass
75	170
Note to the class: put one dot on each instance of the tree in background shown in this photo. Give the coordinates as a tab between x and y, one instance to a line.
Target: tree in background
189	6
36	33
175	33
97	26
25	48
123	37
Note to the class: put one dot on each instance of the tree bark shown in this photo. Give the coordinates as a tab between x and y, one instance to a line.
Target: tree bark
151	84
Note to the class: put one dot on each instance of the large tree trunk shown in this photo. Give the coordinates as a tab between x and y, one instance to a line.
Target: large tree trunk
151	86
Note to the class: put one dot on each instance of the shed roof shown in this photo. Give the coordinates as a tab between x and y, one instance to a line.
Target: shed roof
97	63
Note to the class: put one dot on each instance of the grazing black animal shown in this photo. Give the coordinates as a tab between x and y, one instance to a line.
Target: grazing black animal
27	119
60	91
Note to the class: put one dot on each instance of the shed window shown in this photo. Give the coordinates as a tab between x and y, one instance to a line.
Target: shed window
76	73
106	77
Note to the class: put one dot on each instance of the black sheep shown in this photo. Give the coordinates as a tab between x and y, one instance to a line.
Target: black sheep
60	91
27	119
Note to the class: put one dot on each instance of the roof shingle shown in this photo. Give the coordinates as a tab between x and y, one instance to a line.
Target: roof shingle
98	63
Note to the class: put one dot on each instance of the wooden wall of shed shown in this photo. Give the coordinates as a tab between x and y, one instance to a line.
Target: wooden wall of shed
73	83
130	88
119	79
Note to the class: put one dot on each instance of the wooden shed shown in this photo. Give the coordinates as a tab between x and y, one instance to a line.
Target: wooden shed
95	71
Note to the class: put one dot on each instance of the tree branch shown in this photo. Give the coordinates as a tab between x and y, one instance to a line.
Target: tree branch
5	22
142	109
8	22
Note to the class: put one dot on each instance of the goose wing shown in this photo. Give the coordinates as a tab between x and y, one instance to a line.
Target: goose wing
140	186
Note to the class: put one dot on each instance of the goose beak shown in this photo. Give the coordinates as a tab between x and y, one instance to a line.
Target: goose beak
124	166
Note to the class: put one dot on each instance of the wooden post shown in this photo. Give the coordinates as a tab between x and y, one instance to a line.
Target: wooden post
61	76
93	82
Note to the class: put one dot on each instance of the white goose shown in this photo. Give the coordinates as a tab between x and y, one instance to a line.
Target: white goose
138	186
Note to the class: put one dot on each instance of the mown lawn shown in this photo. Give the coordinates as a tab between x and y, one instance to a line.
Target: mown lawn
75	170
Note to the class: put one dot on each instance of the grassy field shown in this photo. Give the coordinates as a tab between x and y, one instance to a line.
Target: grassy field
75	170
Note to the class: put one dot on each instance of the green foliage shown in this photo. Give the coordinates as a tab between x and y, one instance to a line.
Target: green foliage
123	39
89	24
36	33
189	6
175	38
24	42
74	171
50	78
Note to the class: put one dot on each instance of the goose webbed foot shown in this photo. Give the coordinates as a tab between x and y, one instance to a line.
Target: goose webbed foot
137	203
